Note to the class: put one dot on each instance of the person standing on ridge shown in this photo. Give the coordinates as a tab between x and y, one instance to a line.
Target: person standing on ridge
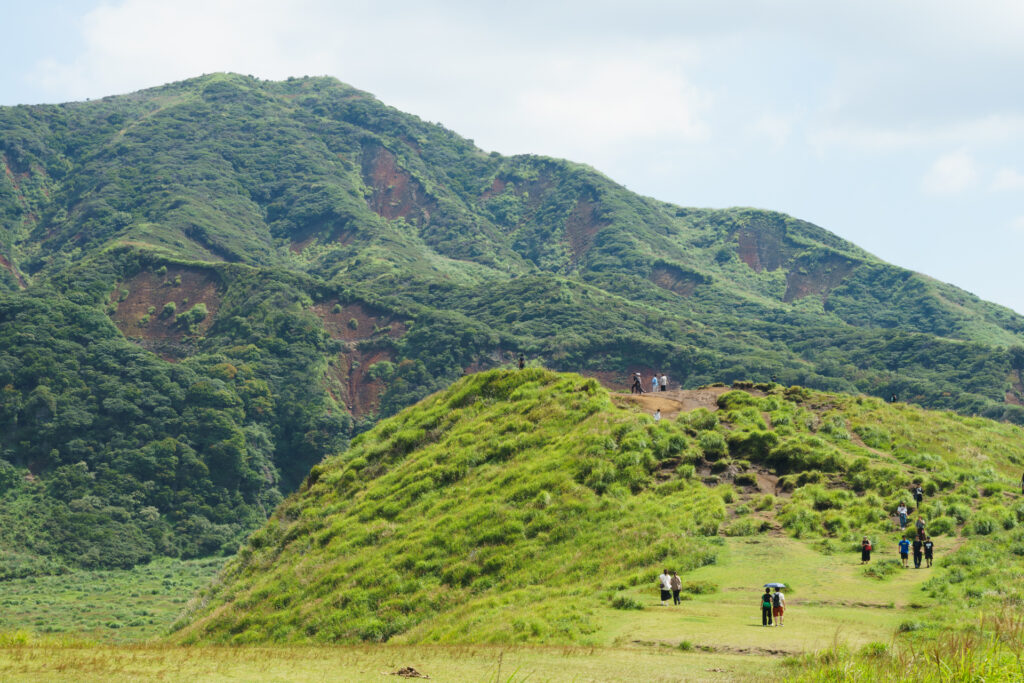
638	387
654	382
665	581
766	607
664	382
522	362
904	545
778	605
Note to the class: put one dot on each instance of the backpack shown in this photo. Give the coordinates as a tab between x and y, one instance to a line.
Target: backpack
867	546
777	600
766	601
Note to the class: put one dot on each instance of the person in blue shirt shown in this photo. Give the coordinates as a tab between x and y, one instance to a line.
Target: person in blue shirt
654	383
904	552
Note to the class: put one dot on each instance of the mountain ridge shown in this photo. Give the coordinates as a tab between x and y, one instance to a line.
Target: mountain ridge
301	259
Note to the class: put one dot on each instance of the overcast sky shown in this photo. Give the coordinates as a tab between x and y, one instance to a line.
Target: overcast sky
898	125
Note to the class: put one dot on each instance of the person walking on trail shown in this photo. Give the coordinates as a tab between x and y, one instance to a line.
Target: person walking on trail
918	550
929	548
778	605
919	525
865	550
657	414
663	384
665	581
522	361
766	607
918	495
654	382
677	586
638	387
901	510
904	552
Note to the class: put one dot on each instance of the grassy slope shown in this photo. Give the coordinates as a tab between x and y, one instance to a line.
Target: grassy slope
476	517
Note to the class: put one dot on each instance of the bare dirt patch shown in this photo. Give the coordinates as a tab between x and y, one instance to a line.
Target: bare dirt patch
581	226
761	249
139	312
818	278
368	322
9	267
673	402
396	194
676	280
351	383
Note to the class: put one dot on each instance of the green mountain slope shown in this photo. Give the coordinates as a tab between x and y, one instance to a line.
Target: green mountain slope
208	286
528	505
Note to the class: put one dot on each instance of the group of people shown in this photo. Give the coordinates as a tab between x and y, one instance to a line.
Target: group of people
658	383
773	606
922	546
671	586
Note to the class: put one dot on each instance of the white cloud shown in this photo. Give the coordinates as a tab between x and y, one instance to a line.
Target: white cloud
985	130
777	129
1008	179
1017	225
615	101
950	174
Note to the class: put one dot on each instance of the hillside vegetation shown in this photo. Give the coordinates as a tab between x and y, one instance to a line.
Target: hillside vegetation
532	506
209	286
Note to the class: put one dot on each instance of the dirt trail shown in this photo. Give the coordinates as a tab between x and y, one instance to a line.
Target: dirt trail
673	402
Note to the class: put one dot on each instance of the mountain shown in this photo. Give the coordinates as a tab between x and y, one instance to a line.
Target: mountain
530	506
208	286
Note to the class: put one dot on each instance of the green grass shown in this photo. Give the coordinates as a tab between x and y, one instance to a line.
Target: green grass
105	606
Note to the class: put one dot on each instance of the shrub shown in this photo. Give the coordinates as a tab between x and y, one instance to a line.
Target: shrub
983	525
754	445
746	479
942	526
713	445
353	324
732	400
700	587
746	526
626	602
700	419
168	310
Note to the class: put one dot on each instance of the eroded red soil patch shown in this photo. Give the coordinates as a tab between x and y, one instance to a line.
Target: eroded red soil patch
581	226
138	313
760	249
358	391
676	280
819	278
338	321
9	267
396	194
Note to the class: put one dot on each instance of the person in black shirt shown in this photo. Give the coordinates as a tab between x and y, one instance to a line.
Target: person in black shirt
929	548
766	607
918	545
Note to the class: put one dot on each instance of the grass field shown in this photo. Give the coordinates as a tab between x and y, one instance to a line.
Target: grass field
714	636
105	606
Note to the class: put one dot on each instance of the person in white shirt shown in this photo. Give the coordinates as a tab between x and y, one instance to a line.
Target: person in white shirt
657	415
665	581
664	382
778	606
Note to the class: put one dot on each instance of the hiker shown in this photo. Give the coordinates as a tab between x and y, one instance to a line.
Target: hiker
637	387
665	581
522	362
929	548
664	382
901	510
892	399
919	525
778	605
865	550
657	414
677	585
766	607
918	494
654	382
918	549
904	552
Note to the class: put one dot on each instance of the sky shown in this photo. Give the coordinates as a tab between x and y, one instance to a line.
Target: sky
896	124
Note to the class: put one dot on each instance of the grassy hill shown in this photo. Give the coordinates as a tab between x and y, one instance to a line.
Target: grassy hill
209	286
531	506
